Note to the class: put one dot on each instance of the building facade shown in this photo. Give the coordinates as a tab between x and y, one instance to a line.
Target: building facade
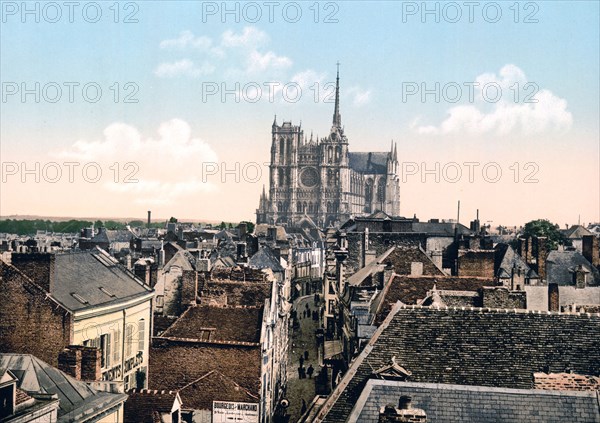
320	179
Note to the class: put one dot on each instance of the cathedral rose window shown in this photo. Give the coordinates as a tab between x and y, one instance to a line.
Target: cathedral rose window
309	177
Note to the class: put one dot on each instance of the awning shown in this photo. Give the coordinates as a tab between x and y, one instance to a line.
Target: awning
333	350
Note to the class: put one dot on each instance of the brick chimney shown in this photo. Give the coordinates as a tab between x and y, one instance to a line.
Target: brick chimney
542	254
80	362
39	267
553	297
590	250
405	413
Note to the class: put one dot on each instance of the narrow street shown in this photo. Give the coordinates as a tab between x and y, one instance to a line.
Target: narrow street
302	339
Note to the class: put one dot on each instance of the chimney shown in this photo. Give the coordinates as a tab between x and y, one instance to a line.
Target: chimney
272	233
189	287
39	267
80	362
91	364
553	297
590	250
523	249
69	361
241	252
142	271
243	227
405	413
149	218
580	276
365	246
542	253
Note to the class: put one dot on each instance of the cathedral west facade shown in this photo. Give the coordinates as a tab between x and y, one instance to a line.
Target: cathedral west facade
320	180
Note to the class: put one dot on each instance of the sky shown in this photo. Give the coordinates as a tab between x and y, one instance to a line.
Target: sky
115	108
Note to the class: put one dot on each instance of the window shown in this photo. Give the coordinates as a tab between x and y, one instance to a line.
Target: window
141	334
128	340
117	346
105	350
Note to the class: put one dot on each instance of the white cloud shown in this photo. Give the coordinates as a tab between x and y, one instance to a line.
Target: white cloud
187	39
359	96
183	67
511	114
168	168
250	37
258	62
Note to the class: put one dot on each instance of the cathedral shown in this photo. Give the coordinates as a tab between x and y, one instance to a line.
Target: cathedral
319	180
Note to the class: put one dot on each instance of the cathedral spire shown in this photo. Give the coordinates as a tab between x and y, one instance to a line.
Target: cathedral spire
337	118
275	121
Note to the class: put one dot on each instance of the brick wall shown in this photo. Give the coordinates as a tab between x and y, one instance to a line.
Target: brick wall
30	323
503	298
476	263
39	267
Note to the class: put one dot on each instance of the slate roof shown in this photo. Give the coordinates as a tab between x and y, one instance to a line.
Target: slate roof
369	163
478	346
180	259
476	404
78	401
261	230
506	258
411	289
235	324
173	365
559	264
265	259
441	228
200	394
146	406
84	273
576	232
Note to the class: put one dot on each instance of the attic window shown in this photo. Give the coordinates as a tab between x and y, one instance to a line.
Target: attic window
79	298
107	292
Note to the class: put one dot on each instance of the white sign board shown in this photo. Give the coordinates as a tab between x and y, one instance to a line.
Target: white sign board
234	412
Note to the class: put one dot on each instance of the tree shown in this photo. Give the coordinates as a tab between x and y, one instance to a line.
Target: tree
173	220
543	227
223	225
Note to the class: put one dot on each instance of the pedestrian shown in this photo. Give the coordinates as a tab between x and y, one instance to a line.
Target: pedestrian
300	372
301	360
303	409
310	371
306	354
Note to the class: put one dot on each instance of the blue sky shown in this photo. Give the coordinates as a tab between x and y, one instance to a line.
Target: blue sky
170	53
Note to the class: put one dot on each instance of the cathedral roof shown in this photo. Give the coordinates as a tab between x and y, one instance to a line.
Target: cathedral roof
371	163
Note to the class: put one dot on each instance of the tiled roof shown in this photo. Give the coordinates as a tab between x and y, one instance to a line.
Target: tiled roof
576	232
506	258
239	293
199	394
76	398
411	289
236	324
477	404
173	365
566	382
21	397
85	273
143	406
472	346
